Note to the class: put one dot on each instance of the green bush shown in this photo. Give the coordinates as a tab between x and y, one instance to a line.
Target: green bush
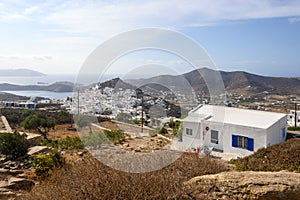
163	131
43	163
153	133
13	119
114	136
107	137
294	128
94	140
70	143
13	144
64	117
65	144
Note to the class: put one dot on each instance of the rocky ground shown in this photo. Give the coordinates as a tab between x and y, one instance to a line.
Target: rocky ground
143	144
245	185
15	177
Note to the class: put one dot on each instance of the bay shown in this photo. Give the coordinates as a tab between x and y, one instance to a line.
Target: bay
37	93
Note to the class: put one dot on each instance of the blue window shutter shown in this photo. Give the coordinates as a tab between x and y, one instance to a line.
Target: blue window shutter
250	144
234	140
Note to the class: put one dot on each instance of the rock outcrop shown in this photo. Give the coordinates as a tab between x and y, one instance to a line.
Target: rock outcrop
245	185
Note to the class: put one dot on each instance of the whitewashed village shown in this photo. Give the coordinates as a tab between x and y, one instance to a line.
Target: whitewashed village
122	123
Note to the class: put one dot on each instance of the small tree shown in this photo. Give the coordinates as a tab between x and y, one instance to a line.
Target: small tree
39	122
13	144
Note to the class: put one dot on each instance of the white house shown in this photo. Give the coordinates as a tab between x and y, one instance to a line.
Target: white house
232	130
291	118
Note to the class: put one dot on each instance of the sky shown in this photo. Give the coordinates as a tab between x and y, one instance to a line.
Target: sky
56	37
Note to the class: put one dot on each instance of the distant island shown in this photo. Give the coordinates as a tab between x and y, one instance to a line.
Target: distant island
20	73
55	87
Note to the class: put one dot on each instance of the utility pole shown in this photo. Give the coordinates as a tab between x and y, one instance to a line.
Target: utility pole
296	115
78	102
142	112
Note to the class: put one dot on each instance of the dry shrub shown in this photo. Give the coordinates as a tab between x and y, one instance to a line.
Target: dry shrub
284	156
90	179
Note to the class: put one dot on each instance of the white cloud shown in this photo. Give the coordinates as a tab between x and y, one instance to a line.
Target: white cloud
69	30
114	17
31	10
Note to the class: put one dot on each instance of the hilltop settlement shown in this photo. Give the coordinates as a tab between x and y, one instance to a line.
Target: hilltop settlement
99	142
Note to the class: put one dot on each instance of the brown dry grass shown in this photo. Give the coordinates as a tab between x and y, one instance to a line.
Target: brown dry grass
90	179
61	132
283	156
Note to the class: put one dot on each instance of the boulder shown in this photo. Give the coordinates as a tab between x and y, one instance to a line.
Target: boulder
3	184
3	171
6	194
38	149
20	184
245	185
14	172
34	139
138	149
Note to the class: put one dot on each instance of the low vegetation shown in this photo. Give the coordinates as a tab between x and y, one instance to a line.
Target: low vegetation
284	156
115	136
43	163
292	128
94	139
68	143
13	144
39	122
90	179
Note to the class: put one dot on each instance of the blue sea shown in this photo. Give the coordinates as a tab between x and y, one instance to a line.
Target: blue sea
44	80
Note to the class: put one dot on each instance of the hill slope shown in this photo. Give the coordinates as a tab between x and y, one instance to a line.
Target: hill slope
234	82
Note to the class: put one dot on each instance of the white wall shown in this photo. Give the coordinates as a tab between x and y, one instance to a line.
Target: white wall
191	141
274	133
207	139
259	136
262	137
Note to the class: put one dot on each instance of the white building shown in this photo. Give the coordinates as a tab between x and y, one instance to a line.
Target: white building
232	130
291	118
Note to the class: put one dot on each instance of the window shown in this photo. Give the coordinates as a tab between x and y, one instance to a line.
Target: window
189	131
243	142
214	137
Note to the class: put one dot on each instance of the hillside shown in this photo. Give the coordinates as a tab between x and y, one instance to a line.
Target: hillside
11	97
88	178
284	156
234	82
20	72
55	87
115	83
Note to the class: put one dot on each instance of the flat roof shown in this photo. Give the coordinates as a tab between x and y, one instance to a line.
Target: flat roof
235	116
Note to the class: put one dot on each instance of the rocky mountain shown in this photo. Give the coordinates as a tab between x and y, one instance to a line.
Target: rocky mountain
55	87
234	82
115	83
20	72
